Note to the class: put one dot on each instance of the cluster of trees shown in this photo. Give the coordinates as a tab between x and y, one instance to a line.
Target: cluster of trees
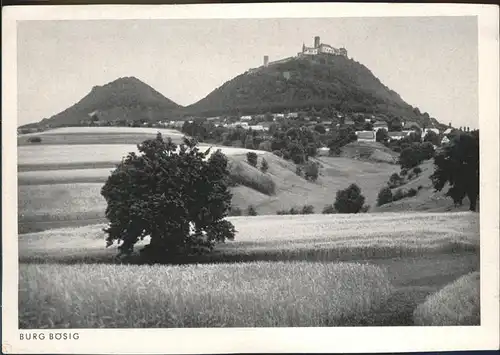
385	195
306	209
457	165
415	154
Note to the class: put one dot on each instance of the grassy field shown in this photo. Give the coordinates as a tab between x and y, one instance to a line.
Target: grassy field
71	269
240	295
307	237
457	303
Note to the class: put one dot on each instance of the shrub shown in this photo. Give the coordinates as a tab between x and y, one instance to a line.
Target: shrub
298	170
278	153
252	158
427	150
173	194
417	170
251	211
235	211
365	209
35	139
420	187
384	196
264	166
398	195
307	209
395	180
403	172
349	200
455	304
410	157
311	171
329	209
411	192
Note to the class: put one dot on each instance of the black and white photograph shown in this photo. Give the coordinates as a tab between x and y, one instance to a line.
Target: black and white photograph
250	172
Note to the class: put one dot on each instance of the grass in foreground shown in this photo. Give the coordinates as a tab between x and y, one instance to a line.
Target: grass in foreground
238	295
456	304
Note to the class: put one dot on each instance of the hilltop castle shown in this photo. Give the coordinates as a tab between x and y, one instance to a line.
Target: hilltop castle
319	48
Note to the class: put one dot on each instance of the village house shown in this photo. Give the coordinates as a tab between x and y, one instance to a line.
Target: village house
323	151
427	130
245	118
349	122
292	115
396	135
411	125
380	125
445	140
258	127
366	136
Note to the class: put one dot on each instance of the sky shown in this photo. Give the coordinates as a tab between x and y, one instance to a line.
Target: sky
432	62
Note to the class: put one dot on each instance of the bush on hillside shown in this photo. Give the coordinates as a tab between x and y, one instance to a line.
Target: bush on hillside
311	171
329	209
307	209
298	170
384	196
278	153
179	197
411	192
235	211
35	139
365	209
251	211
264	166
398	195
403	172
427	150
410	157
417	170
395	180
252	158
349	200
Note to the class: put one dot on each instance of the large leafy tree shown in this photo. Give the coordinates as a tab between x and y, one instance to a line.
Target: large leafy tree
349	200
458	165
177	195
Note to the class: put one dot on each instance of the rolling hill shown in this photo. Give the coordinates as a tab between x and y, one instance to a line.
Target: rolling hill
302	83
125	98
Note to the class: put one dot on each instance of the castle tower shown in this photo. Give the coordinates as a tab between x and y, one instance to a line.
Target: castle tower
266	60
316	42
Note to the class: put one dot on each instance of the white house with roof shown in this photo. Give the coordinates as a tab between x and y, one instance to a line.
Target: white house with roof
445	140
396	135
380	125
245	118
366	136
